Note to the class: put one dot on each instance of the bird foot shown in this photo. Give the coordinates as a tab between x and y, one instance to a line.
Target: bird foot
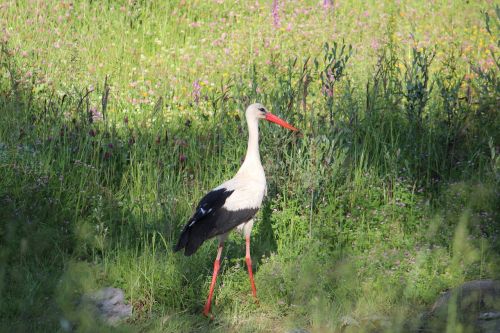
208	315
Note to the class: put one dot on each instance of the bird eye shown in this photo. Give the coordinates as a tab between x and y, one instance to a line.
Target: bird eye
262	109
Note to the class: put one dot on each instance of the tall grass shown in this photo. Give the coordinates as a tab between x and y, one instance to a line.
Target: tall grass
387	197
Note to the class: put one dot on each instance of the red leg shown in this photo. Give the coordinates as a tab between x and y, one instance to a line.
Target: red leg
249	266
206	310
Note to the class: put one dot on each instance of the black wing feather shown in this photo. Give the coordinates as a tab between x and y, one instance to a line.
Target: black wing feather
211	219
211	202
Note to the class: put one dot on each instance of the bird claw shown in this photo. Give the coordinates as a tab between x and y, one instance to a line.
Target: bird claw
208	315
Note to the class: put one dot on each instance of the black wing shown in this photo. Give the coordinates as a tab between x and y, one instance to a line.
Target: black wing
211	219
207	206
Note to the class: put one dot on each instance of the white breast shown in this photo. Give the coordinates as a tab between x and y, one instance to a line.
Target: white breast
249	189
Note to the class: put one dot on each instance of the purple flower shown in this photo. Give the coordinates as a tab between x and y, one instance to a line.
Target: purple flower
327	91
276	14
327	4
95	114
375	44
196	91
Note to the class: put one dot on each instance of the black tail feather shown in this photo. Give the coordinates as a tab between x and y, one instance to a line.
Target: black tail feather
189	244
189	240
183	240
193	244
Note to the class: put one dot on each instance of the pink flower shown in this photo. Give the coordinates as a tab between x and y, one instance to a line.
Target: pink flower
95	114
326	91
196	91
375	44
276	14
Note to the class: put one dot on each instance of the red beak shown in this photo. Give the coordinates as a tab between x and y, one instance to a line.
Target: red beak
279	121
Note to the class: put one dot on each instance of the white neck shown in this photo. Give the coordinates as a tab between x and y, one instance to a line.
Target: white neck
252	157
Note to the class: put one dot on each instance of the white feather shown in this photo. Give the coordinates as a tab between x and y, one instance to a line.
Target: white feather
249	186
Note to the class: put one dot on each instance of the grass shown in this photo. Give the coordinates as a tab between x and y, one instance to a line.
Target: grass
116	117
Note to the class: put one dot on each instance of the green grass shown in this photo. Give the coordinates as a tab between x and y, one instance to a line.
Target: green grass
389	196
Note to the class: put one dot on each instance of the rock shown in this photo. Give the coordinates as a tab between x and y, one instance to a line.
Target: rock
66	325
474	307
298	330
489	315
109	304
348	321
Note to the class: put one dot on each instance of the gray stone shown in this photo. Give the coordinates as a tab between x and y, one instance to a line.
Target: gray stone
298	330
109	304
475	307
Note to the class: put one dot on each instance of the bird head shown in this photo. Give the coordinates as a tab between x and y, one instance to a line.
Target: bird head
258	111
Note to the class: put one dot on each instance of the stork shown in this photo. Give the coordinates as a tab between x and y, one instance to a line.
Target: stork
233	204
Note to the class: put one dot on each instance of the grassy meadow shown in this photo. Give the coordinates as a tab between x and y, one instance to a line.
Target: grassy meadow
116	117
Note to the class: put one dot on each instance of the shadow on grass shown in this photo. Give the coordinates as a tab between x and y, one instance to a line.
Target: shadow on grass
85	205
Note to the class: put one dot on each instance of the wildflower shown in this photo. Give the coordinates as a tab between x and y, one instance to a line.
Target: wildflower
5	36
327	91
95	114
276	14
327	4
182	158
196	91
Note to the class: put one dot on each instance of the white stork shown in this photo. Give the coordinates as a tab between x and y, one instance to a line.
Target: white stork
233	204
